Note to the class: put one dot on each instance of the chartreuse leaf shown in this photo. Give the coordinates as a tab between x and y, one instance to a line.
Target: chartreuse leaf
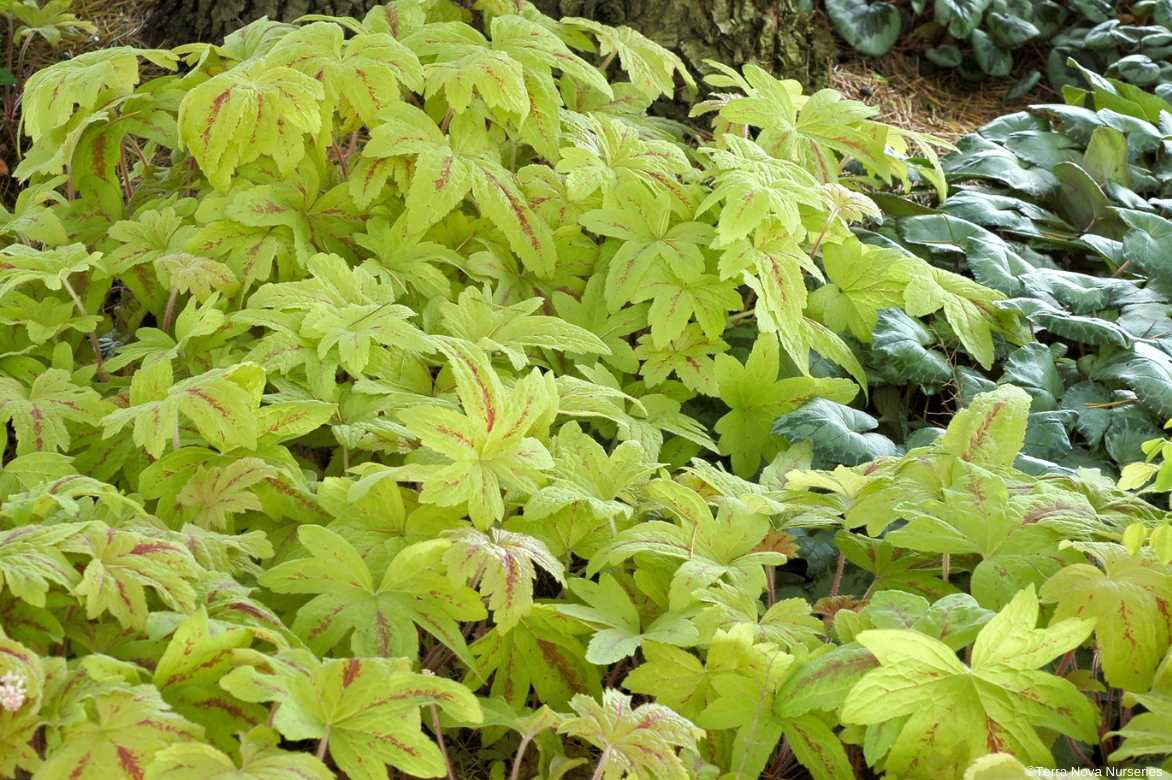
359	75
651	68
115	732
213	495
19	717
541	653
756	397
255	109
997	766
462	65
21	265
724	547
641	221
1122	594
862	279
366	709
380	618
490	446
634	740
973	515
1149	733
475	318
502	565
80	85
189	672
260	759
124	564
947	714
40	413
222	404
618	629
991	430
31	561
449	167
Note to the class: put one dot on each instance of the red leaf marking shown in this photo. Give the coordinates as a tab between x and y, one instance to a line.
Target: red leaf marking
217	106
79	770
352	670
129	763
982	432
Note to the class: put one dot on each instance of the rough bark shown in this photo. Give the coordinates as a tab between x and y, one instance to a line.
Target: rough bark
773	33
183	21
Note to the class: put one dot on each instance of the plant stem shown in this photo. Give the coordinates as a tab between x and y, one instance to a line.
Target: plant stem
839	567
606	62
11	41
945	565
439	738
1074	748
169	312
447	120
818	241
770	585
124	171
93	336
322	744
598	770
516	770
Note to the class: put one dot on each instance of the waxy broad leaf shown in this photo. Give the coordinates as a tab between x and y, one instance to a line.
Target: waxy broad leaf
871	28
839	433
367	709
382	617
952	713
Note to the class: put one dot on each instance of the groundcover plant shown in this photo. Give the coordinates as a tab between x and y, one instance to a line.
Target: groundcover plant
1059	208
1127	39
394	398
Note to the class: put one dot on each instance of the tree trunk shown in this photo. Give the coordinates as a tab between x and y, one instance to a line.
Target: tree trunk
773	33
182	21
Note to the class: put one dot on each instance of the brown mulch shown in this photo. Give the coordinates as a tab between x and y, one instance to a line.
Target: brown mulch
911	93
